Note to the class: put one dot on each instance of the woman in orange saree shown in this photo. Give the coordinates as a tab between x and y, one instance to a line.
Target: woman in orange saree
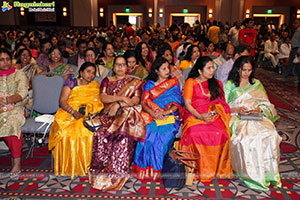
206	122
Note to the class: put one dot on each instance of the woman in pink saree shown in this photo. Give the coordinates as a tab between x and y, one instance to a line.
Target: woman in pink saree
206	122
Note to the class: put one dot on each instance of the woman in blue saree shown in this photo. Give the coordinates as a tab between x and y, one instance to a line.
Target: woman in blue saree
162	100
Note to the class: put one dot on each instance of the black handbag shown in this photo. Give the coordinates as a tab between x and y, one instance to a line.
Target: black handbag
174	168
93	121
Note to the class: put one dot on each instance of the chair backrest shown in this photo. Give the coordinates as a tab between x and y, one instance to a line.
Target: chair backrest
74	67
186	73
46	93
110	71
99	79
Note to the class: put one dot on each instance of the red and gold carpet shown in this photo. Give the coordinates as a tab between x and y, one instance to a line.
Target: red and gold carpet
37	180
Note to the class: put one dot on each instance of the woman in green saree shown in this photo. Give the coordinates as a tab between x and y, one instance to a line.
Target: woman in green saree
254	147
57	67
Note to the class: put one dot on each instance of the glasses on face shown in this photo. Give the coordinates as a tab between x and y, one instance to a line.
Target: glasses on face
90	55
25	55
7	59
120	64
55	53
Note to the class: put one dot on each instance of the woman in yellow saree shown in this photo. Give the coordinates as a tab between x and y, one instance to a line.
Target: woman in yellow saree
70	142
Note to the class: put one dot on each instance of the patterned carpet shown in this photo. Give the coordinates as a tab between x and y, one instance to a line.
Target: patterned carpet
38	182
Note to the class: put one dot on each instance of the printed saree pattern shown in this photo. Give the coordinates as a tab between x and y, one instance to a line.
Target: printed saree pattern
114	143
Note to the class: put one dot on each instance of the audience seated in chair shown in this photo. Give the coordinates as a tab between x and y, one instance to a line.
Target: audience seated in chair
69	141
161	98
205	128
252	140
13	91
271	50
57	67
114	142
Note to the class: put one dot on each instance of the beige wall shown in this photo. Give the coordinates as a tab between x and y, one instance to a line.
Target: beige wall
84	13
229	10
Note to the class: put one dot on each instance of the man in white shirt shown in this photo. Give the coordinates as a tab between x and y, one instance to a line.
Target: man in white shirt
228	51
223	71
233	34
271	50
285	48
271	26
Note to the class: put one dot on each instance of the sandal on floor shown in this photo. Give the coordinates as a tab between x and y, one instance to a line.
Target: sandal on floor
14	174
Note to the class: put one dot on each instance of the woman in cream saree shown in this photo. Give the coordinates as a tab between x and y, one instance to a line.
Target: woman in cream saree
254	148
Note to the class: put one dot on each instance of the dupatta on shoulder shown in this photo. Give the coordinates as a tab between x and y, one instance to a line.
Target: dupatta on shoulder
130	120
162	97
251	96
219	104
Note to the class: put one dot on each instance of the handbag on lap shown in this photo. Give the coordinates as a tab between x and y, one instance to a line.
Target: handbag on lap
93	121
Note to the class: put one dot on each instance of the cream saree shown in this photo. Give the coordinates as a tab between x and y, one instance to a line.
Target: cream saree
254	147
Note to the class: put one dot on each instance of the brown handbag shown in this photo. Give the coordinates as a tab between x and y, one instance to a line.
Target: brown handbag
190	163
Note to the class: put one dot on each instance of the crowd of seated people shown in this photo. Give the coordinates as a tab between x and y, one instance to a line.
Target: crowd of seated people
141	82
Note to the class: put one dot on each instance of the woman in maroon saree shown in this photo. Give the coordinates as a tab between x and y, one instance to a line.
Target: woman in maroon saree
122	125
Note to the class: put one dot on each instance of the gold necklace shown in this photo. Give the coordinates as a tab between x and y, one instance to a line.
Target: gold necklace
208	94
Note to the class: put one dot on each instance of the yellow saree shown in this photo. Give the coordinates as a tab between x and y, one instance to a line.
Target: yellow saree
70	142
